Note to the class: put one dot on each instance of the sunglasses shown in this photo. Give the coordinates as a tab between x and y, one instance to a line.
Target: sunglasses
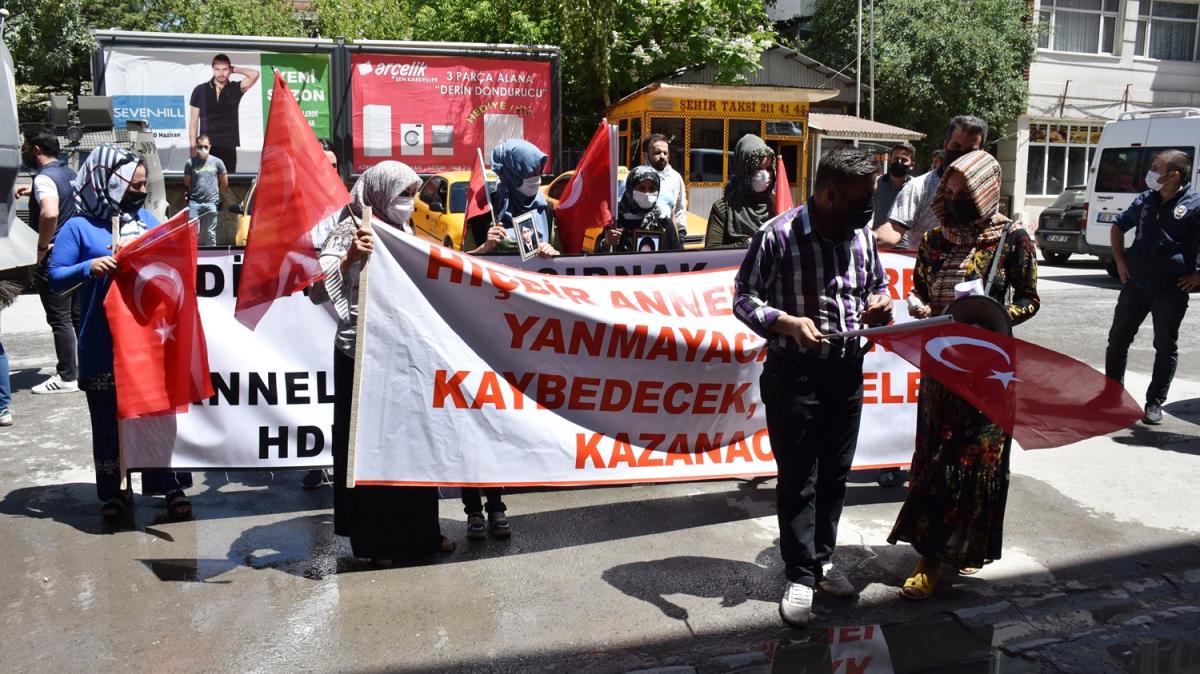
203	147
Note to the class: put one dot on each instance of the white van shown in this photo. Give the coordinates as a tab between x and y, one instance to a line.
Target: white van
1117	175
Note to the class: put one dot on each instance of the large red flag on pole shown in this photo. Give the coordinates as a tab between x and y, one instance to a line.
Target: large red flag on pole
478	199
590	198
160	359
1041	397
297	188
783	191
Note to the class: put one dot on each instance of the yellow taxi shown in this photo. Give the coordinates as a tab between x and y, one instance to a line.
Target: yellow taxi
441	205
697	226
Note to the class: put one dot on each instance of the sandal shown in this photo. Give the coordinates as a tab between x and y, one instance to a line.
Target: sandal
178	507
446	546
921	583
114	508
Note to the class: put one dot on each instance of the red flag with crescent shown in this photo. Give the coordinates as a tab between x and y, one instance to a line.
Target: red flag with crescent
1041	397
160	359
297	190
478	200
590	198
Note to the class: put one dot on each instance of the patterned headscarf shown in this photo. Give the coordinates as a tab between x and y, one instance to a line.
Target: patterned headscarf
101	182
628	208
982	174
378	186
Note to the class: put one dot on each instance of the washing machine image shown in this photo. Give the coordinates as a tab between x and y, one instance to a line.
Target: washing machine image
377	130
412	139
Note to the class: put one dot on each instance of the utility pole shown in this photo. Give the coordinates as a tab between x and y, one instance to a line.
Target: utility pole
872	59
858	67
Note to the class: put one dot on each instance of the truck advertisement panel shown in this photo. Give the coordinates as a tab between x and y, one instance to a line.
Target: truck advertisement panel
183	93
433	112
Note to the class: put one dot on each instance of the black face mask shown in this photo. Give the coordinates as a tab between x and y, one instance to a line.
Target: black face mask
898	168
951	157
658	164
962	211
132	201
858	214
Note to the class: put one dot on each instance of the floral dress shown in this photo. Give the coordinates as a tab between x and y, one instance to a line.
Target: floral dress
958	485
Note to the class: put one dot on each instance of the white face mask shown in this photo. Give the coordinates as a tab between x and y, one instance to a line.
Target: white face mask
760	181
399	211
202	152
530	186
645	199
1154	180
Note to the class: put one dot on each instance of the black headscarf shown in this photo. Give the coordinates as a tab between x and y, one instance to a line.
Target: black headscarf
748	210
627	208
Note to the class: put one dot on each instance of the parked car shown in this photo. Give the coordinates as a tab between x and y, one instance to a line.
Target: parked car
697	226
1127	148
1060	226
441	206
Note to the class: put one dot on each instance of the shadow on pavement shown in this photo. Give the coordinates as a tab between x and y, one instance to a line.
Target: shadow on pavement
26	378
1145	436
1186	410
1097	280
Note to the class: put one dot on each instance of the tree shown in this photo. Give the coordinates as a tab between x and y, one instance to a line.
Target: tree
935	59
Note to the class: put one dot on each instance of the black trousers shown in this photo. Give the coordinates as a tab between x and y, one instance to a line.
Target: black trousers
62	313
382	522
1166	304
228	156
813	410
473	502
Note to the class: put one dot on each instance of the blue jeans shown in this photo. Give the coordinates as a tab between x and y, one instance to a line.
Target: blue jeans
5	385
207	213
1165	304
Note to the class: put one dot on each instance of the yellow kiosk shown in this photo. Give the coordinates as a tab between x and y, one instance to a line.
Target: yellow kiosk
705	122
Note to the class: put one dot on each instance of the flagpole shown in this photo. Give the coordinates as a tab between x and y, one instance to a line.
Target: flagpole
125	478
360	332
893	329
487	194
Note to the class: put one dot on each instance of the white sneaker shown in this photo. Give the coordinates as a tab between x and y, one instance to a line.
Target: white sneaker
796	606
5	417
836	583
55	384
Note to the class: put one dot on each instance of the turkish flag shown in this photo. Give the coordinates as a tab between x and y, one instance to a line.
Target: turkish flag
297	188
1040	397
478	200
160	359
783	191
590	198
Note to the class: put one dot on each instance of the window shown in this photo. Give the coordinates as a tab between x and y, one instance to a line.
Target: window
458	195
429	191
707	151
739	128
1059	156
1123	169
1085	26
635	142
1167	30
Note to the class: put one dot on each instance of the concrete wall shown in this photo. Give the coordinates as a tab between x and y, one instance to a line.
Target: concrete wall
1066	87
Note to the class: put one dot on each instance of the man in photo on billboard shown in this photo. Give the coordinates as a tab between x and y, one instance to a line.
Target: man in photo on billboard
204	178
812	381
213	109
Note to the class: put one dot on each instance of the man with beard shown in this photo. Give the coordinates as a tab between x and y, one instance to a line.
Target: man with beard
213	110
812	381
889	184
672	196
911	215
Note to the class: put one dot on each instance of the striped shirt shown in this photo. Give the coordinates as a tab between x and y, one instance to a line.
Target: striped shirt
790	268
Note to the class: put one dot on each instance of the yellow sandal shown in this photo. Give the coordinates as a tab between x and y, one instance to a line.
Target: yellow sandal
919	586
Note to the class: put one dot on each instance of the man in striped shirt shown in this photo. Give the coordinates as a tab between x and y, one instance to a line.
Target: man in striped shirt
809	274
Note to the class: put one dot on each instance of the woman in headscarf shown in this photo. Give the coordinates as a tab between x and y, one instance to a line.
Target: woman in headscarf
518	164
954	513
750	198
384	523
638	224
110	183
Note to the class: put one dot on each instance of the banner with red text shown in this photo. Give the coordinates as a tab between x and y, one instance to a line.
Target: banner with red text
474	373
434	112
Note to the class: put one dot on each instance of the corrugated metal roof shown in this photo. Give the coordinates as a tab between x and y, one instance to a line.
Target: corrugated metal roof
781	67
856	127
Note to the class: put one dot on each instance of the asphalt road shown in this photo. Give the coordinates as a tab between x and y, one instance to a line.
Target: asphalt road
1100	572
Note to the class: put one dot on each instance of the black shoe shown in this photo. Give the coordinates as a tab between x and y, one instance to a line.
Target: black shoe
501	528
476	527
1153	414
314	479
889	477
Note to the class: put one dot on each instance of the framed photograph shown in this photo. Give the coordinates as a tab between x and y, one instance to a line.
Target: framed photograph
647	241
527	236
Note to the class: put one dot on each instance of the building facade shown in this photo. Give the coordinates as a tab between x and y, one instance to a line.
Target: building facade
1095	60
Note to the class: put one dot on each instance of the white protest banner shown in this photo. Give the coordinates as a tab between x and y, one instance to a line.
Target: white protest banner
473	373
273	406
